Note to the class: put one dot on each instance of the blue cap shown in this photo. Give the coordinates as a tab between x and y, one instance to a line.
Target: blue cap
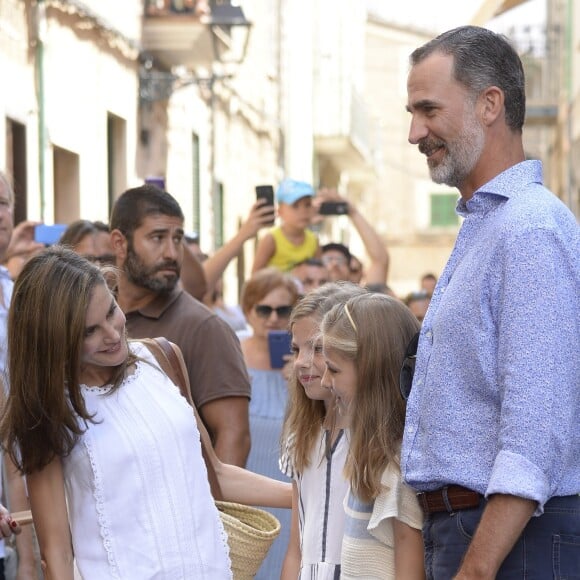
290	191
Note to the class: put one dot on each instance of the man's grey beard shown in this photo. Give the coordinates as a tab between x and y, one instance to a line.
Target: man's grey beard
461	154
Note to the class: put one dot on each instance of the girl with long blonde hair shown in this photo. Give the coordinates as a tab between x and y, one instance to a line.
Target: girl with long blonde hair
364	342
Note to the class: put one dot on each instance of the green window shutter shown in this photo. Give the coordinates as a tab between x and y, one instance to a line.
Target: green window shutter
218	212
443	209
196	193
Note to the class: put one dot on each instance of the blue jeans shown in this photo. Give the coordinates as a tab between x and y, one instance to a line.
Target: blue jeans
549	547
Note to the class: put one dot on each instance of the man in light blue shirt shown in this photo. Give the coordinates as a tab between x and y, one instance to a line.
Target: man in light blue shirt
492	437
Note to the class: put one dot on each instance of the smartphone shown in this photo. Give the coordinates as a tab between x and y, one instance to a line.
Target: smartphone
266	192
279	344
49	235
333	208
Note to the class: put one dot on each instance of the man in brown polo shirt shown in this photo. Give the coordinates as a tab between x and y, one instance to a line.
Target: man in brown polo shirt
147	239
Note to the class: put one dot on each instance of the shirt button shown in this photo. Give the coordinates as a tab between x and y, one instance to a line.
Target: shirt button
419	381
410	429
429	334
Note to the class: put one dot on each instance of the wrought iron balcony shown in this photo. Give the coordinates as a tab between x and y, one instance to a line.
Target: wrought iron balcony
192	33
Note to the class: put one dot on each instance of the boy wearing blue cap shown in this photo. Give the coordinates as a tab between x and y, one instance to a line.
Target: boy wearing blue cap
291	242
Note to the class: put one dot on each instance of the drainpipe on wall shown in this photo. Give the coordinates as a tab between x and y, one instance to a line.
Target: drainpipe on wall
39	74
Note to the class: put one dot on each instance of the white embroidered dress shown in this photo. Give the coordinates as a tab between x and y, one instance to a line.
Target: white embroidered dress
138	496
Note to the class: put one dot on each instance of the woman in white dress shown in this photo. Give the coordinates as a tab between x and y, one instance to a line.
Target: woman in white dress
110	447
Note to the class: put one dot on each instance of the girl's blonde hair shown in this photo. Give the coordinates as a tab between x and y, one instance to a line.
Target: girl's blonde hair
372	330
305	417
45	412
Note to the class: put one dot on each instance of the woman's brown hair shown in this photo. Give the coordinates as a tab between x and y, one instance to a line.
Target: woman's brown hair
45	411
262	283
372	330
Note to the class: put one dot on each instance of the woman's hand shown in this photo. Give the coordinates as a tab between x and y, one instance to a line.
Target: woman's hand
8	525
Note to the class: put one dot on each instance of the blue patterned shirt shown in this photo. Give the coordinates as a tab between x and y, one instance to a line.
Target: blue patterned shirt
496	393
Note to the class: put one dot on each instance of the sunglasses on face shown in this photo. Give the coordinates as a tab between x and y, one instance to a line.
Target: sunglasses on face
338	260
265	311
408	368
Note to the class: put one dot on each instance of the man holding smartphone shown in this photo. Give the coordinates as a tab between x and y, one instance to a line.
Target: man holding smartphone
337	257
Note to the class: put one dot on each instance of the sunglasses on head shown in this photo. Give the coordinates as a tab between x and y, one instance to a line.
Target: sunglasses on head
408	367
265	311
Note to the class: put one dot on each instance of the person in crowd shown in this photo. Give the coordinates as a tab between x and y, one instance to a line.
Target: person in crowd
364	343
336	257
96	407
383	519
192	277
418	302
381	289
356	270
492	433
216	264
291	242
90	240
22	245
378	269
14	242
428	283
232	315
146	236
311	274
315	444
191	240
267	301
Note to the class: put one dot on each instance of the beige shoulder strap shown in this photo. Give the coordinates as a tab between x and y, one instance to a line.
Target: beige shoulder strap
174	367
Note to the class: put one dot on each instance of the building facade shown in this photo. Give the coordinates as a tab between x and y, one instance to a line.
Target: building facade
214	99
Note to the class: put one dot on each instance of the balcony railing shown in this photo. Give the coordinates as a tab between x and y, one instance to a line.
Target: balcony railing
540	49
343	127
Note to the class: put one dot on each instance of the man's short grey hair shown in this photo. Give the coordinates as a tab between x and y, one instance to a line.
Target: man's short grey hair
6	182
481	59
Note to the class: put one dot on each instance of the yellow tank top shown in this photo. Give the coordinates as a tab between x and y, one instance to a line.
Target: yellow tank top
287	255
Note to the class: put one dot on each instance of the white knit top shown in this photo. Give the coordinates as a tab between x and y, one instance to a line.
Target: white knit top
139	501
369	542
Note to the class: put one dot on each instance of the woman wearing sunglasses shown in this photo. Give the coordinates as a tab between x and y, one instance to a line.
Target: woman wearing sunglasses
267	301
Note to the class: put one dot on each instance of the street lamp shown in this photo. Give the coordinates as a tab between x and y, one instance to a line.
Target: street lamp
230	33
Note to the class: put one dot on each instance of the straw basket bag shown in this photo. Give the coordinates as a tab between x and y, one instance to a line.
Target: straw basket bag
251	532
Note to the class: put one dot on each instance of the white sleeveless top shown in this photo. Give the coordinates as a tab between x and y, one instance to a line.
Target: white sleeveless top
139	501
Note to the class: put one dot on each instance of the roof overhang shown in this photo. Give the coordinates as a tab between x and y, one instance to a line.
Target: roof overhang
491	8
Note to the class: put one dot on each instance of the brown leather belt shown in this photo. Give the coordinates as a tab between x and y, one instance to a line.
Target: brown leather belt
450	498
